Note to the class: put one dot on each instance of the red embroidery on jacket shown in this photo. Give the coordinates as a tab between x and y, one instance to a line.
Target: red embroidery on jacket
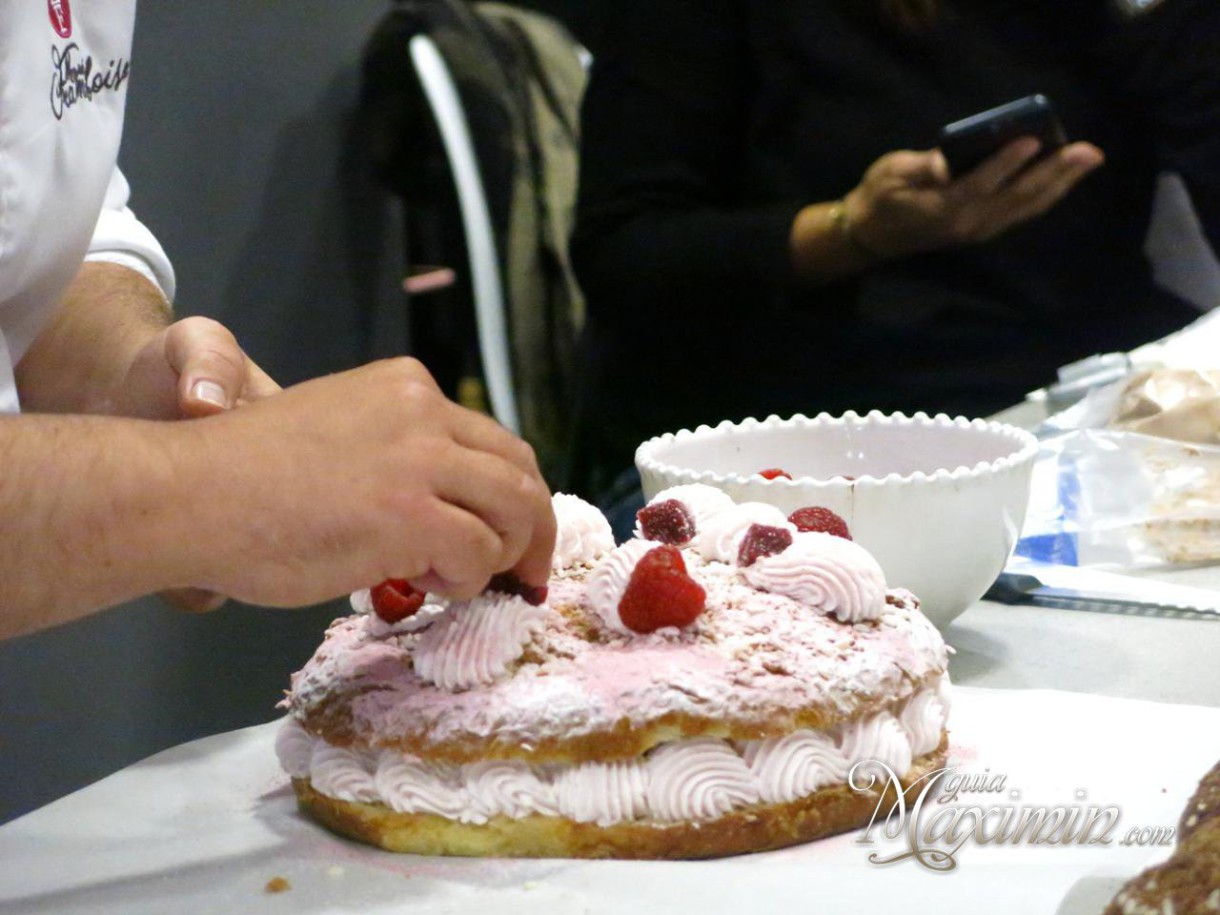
61	17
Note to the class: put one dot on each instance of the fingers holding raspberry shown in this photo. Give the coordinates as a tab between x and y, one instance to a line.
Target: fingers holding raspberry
481	433
377	475
513	504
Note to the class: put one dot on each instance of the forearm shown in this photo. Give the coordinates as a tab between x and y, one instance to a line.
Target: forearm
287	501
825	245
79	362
92	514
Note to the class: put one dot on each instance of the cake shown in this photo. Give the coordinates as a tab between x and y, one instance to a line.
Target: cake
709	687
1188	883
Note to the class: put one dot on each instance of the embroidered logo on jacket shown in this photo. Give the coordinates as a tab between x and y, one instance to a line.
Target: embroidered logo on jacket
75	78
61	17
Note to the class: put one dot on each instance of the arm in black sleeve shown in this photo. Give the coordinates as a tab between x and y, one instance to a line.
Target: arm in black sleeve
1168	62
664	127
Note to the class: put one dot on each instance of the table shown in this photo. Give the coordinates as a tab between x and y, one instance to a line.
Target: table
1121	709
206	826
1108	654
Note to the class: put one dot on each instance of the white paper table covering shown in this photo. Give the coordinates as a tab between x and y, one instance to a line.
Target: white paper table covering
205	826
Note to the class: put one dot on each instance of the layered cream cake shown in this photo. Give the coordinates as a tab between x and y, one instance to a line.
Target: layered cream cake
703	689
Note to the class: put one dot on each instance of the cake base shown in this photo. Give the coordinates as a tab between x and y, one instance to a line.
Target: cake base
759	827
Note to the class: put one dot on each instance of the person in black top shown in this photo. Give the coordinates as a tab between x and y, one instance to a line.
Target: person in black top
764	226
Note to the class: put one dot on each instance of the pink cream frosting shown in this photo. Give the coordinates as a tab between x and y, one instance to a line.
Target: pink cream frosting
699	778
719	537
701	500
752	656
826	573
474	642
583	535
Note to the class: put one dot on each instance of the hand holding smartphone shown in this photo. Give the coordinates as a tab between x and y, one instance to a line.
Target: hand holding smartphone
965	144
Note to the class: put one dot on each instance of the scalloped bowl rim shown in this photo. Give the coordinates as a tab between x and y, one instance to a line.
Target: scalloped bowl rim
1025	447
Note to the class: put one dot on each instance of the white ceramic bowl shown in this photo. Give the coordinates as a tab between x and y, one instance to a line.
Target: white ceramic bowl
938	501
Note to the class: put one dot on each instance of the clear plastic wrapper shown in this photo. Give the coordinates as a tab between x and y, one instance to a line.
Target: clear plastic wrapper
1105	497
1129	476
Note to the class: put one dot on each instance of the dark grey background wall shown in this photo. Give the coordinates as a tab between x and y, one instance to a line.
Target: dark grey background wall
240	149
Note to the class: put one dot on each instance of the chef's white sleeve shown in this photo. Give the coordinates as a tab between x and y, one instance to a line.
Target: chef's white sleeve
120	238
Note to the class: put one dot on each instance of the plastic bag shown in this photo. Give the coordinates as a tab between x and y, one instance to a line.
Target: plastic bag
1103	497
1129	476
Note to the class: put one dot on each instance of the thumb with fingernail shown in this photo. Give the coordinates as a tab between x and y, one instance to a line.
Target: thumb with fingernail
210	363
208	394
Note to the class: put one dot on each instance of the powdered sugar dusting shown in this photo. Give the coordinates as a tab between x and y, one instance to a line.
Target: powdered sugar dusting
750	655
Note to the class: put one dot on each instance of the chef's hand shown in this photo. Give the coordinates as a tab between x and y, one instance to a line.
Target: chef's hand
341	482
194	367
907	201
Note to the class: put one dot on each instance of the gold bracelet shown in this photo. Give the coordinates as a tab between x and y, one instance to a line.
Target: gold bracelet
838	218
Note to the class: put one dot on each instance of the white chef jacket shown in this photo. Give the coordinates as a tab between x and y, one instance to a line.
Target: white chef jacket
64	70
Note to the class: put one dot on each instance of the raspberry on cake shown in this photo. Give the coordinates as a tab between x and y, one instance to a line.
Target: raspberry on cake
819	518
508	583
762	540
668	521
659	593
394	599
702	502
720	536
660	702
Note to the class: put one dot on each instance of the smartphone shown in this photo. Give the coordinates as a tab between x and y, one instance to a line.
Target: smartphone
966	143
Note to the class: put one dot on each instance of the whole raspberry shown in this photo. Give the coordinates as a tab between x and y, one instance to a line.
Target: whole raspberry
774	473
659	593
762	540
394	599
508	583
667	522
817	518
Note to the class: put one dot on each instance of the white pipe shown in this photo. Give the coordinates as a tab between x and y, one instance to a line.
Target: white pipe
450	117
